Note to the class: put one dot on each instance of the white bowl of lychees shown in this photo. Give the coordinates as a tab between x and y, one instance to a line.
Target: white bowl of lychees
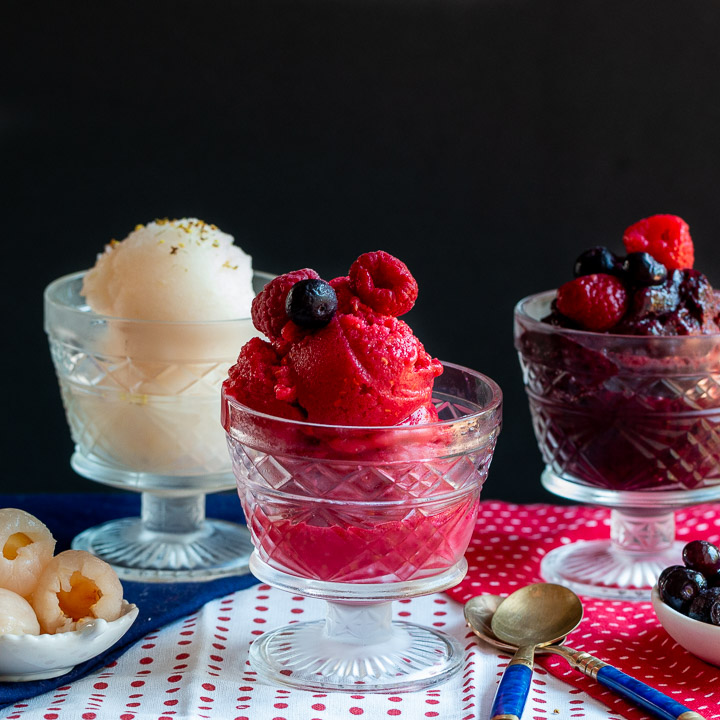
686	600
56	611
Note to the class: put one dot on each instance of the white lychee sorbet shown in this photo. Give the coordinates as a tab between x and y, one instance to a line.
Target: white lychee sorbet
177	298
172	270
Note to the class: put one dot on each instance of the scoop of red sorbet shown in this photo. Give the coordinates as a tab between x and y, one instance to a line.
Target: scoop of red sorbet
364	367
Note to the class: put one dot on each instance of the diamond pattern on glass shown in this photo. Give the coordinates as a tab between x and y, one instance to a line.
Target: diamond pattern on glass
353	523
629	432
151	417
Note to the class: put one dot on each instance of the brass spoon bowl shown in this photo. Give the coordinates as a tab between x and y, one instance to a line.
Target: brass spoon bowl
537	615
479	613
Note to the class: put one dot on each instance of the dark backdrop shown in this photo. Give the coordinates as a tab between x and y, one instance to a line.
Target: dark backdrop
485	142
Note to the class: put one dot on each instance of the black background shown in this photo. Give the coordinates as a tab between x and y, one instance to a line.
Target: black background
485	142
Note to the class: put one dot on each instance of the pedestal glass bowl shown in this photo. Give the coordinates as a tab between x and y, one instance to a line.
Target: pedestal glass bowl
361	516
143	402
627	422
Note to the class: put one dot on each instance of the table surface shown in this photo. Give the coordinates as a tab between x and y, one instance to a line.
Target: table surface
196	666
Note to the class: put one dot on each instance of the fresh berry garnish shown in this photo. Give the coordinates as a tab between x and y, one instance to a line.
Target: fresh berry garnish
681	586
665	237
596	260
641	269
268	307
311	303
701	606
702	556
596	302
384	283
715	613
665	574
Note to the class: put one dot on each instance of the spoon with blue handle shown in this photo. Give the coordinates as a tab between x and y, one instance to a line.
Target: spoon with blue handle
479	612
534	616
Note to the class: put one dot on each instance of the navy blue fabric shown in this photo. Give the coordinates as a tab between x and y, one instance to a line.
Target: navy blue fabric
158	603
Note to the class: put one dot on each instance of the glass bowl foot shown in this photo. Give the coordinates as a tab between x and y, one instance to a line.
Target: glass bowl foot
216	549
357	647
641	545
406	658
597	569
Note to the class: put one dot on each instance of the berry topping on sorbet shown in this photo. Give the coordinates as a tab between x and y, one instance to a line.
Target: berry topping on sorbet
336	352
665	237
596	302
653	290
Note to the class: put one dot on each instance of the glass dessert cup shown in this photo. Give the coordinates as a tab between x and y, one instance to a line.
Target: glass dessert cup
626	422
359	517
142	402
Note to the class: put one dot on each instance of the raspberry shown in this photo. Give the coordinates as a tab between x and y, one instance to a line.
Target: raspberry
665	237
268	307
596	302
384	283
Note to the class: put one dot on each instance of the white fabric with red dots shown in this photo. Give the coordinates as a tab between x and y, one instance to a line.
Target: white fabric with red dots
505	552
197	669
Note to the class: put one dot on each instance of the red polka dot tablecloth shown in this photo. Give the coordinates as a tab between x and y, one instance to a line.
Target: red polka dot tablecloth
505	553
197	668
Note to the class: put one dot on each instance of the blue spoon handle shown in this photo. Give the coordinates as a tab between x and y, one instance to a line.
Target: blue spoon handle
512	692
645	696
632	690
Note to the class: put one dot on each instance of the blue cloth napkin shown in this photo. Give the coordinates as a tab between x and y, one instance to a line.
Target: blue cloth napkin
158	603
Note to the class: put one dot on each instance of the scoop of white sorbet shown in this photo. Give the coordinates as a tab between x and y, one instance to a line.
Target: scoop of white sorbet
177	295
172	270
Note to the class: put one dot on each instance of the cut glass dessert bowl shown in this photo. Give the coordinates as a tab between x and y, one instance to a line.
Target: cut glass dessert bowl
624	421
361	516
142	402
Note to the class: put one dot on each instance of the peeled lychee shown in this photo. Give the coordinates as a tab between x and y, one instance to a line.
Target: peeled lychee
26	547
16	615
76	587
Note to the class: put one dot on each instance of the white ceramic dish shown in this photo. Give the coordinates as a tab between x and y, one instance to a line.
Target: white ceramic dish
699	638
37	657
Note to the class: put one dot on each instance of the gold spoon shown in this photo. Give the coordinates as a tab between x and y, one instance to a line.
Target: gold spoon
479	612
533	616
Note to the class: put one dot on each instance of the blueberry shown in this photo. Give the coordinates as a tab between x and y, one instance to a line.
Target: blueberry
596	260
664	576
702	556
702	604
715	613
641	270
680	587
311	303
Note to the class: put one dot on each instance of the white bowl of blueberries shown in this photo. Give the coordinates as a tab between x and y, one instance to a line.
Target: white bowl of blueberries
687	600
